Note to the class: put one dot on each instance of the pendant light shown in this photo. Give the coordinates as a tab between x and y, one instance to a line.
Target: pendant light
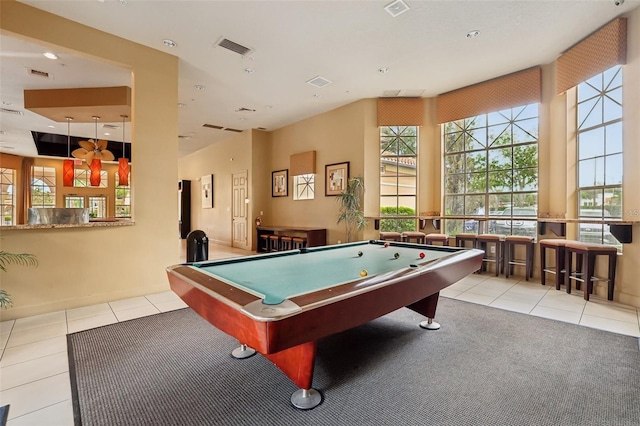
96	164
123	162
68	173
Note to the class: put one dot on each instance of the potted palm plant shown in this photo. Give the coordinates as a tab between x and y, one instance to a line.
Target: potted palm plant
6	258
350	201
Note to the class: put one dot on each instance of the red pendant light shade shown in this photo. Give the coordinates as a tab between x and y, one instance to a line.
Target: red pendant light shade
123	172
96	167
68	173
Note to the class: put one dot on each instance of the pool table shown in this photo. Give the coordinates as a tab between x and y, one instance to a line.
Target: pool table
281	303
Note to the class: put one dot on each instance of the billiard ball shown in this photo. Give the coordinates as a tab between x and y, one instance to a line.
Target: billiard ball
396	255
421	255
359	254
386	244
364	273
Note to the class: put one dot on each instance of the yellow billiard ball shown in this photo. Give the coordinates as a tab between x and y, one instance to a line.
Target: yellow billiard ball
364	273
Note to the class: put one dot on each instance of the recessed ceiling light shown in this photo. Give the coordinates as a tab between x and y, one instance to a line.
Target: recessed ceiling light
169	43
383	70
249	70
51	126
199	87
396	8
50	55
181	105
473	34
107	134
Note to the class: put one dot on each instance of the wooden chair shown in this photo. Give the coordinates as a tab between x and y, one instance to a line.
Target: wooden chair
511	242
586	257
432	239
286	242
410	236
463	239
485	242
390	236
557	245
298	242
274	242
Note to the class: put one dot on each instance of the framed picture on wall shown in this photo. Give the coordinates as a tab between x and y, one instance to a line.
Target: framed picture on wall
280	183
336	177
207	191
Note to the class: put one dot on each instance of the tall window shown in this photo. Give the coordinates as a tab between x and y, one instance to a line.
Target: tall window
7	196
82	179
398	177
74	201
97	207
123	199
600	154
43	186
304	187
491	169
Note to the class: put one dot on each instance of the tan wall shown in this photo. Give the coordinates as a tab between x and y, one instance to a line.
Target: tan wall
85	266
221	159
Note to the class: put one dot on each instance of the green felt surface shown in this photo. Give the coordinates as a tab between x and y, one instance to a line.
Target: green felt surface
276	278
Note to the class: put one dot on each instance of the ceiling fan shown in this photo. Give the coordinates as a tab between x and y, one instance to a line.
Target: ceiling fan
93	149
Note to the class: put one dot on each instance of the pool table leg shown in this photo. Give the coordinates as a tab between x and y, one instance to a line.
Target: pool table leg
243	351
427	307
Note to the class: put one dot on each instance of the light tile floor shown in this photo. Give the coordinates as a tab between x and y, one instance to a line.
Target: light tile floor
34	369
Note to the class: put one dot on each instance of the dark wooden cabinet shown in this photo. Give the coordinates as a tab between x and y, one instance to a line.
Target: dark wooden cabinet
184	208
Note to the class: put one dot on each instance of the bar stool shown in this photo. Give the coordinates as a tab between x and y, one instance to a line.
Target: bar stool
431	239
408	236
286	242
463	239
483	242
391	236
510	244
274	242
299	243
265	242
557	245
586	256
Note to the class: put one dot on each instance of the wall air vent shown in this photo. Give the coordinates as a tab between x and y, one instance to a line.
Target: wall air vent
213	126
233	130
12	111
233	46
262	128
37	73
319	82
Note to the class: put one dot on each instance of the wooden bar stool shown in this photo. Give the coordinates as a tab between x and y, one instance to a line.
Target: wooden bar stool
484	242
264	239
286	242
390	236
274	242
432	239
587	254
510	244
298	243
409	236
557	245
463	239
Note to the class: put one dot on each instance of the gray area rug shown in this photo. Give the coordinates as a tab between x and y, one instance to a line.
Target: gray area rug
485	366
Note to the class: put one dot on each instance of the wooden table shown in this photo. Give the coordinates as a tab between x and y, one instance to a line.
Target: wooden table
315	236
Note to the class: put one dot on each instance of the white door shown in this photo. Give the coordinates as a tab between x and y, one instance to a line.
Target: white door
239	213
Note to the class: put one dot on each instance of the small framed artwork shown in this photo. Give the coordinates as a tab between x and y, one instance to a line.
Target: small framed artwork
280	183
207	191
336	177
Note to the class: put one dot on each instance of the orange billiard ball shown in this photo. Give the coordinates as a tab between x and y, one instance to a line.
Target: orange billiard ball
421	255
364	273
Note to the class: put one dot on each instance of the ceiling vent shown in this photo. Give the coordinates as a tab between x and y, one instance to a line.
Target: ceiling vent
396	8
262	128
212	126
319	82
110	126
184	137
390	93
233	46
11	111
233	130
37	73
245	110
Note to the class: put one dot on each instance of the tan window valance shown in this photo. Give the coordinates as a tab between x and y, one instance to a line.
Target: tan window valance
596	53
303	163
400	111
520	88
